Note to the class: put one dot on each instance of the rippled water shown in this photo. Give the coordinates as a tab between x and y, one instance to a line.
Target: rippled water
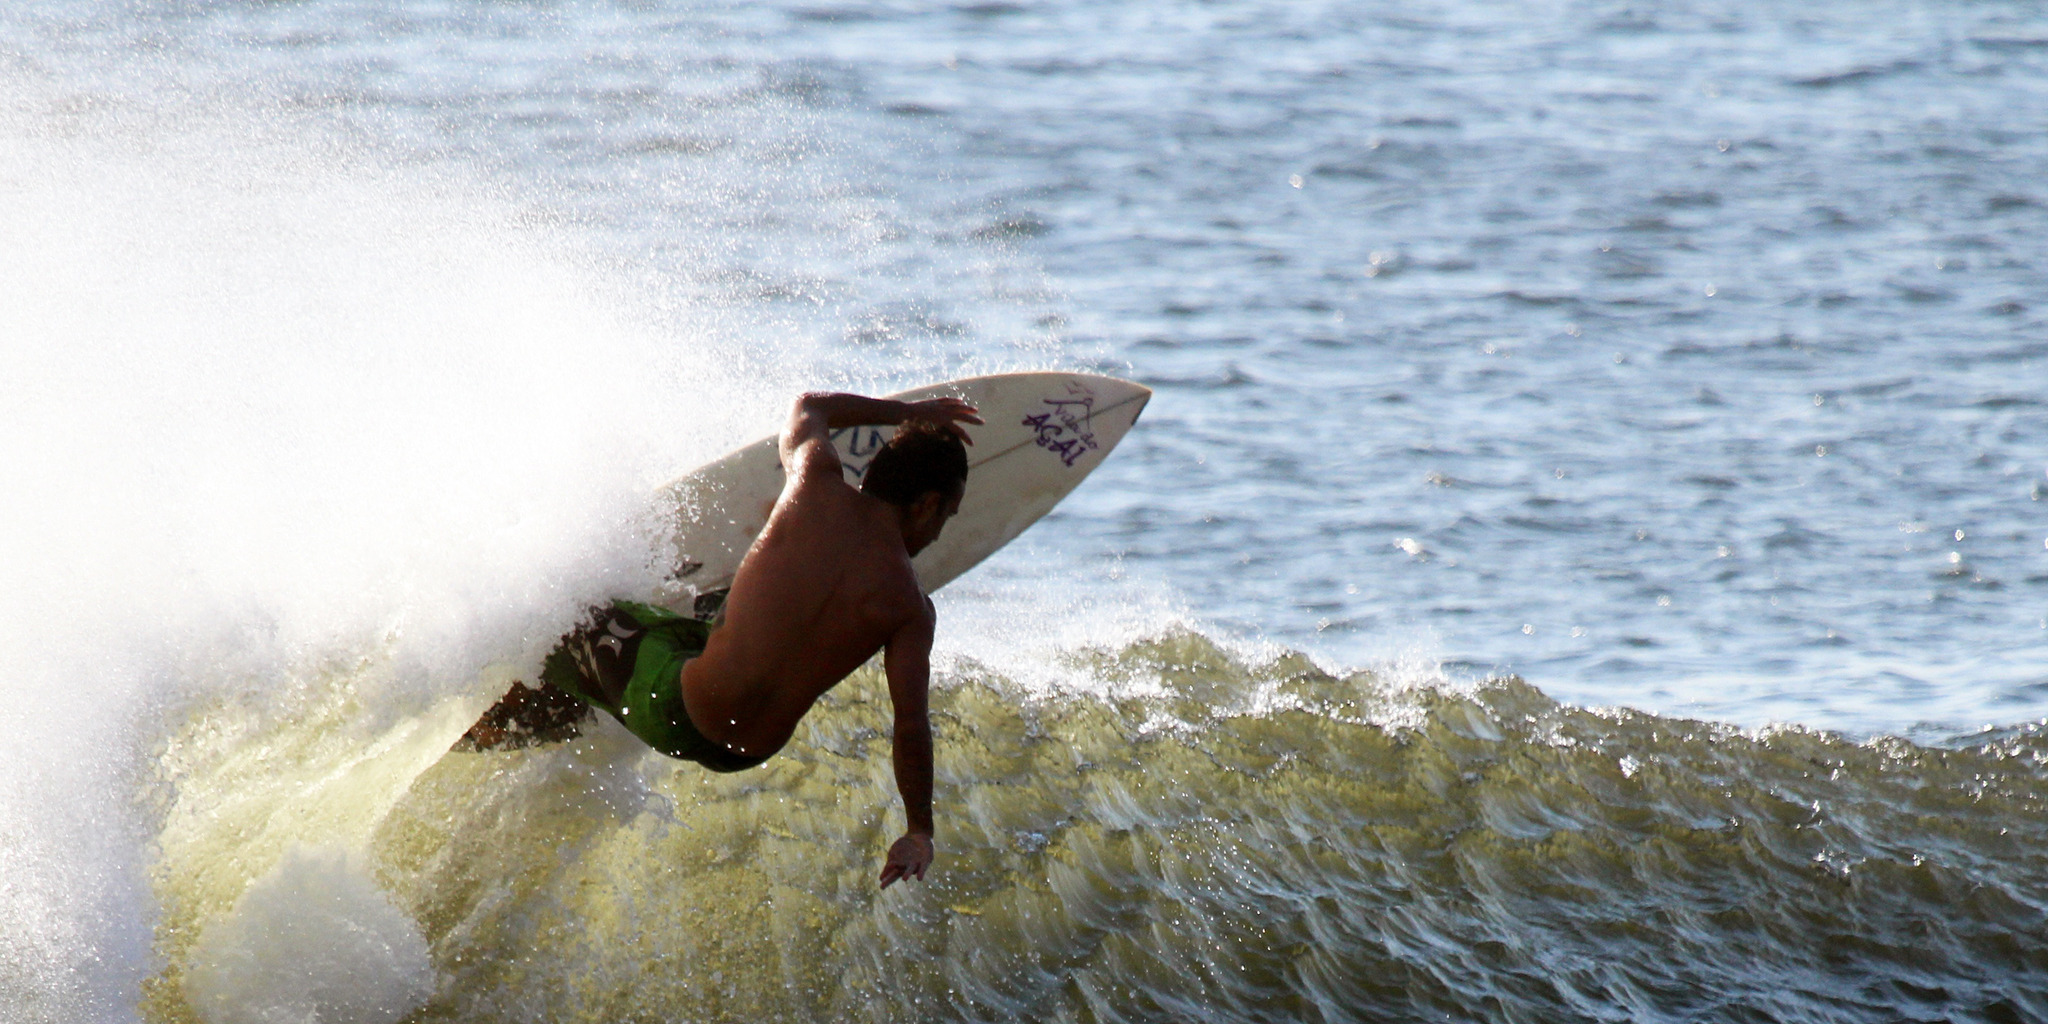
1681	358
1210	841
1685	357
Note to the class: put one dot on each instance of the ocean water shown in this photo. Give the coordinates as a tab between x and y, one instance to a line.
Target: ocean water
1584	560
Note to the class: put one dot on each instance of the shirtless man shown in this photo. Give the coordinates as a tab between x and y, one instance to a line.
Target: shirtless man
826	585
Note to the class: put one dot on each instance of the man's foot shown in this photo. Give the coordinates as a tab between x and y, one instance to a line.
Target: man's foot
524	717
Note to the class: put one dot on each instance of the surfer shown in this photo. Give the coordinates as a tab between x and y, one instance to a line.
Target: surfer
826	584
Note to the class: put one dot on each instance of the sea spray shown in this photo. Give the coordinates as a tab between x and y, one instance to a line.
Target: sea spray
313	940
278	414
296	433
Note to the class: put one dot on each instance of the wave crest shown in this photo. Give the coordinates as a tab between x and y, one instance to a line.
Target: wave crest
1233	840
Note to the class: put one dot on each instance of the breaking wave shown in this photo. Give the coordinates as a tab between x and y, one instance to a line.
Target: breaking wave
1205	836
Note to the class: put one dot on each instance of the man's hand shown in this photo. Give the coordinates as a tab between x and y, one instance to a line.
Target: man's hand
908	857
945	412
816	414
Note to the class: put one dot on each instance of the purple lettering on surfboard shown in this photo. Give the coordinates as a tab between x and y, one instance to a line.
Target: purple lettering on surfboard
1065	429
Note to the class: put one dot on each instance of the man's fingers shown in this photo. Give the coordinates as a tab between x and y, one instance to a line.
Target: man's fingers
898	870
951	407
949	413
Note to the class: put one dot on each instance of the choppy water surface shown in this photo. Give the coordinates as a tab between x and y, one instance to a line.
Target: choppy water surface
1685	356
1213	841
1687	359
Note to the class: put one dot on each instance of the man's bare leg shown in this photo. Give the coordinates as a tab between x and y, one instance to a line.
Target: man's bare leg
525	716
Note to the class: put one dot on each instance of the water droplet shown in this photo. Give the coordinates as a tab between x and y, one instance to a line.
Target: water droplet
1959	535
1528	629
1294	180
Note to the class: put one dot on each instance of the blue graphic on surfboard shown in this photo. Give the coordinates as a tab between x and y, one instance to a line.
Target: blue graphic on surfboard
1045	433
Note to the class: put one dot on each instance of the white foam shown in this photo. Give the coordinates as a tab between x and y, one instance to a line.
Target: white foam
1025	612
271	406
313	942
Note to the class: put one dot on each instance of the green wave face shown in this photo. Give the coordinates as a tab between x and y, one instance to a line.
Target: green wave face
1242	842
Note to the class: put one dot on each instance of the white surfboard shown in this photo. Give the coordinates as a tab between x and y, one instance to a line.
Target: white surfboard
1045	432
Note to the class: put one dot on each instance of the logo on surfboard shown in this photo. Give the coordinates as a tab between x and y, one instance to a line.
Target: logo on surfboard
1065	429
858	446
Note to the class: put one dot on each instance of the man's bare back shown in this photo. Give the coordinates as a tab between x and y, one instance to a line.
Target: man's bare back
826	584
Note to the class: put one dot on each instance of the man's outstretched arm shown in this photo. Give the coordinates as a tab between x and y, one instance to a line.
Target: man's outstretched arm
815	415
908	664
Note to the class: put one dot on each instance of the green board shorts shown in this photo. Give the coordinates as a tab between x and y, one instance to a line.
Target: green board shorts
629	662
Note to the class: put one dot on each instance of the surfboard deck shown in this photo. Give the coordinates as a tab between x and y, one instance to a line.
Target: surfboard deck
1045	432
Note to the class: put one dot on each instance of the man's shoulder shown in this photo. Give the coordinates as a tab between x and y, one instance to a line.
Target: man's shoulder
815	462
879	580
892	596
817	495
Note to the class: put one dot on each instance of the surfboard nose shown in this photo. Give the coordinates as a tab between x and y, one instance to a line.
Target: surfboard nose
1144	399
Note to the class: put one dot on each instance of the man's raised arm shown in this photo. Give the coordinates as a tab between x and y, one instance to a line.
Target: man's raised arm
816	415
907	662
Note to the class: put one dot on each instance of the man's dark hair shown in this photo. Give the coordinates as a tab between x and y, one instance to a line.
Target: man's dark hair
921	458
